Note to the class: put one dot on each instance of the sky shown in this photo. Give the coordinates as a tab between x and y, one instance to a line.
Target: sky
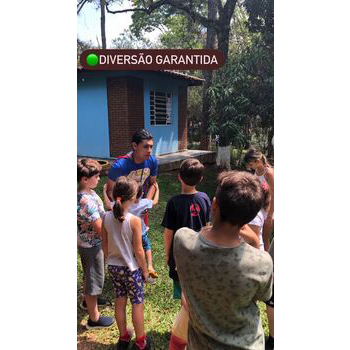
88	22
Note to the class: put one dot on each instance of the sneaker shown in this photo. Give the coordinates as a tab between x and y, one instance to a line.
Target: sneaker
153	274
124	344
148	345
102	322
269	343
100	302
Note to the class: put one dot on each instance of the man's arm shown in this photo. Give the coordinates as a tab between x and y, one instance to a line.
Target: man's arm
168	237
106	200
153	193
110	185
152	180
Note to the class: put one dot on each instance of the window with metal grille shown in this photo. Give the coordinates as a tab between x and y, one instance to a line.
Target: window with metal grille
160	104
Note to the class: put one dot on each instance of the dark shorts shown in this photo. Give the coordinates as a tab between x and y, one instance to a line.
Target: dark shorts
270	302
146	244
92	261
126	283
176	290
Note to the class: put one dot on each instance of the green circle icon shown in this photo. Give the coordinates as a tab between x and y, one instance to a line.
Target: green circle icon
92	59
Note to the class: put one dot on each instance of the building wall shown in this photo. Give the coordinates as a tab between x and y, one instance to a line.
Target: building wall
127	97
125	110
92	117
166	137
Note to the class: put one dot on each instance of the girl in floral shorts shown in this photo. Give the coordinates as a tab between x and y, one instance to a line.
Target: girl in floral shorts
122	245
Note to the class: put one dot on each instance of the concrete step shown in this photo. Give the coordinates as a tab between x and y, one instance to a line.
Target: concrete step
172	161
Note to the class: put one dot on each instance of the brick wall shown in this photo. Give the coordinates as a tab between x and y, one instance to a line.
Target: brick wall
182	131
125	112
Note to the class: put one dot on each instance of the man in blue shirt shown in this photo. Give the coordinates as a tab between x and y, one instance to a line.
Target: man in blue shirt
138	164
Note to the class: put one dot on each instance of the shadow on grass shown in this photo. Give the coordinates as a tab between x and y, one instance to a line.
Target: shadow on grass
93	345
81	314
160	341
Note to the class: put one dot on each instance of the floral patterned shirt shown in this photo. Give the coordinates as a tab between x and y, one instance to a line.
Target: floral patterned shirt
90	208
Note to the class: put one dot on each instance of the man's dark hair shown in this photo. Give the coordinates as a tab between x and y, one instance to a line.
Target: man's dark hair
239	196
141	135
191	171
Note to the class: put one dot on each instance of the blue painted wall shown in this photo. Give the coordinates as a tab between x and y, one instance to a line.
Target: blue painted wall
93	134
93	112
165	136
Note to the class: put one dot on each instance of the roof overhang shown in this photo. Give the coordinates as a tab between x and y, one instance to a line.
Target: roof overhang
191	80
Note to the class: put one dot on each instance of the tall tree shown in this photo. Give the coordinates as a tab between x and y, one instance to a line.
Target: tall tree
127	40
220	25
100	4
241	95
103	23
208	74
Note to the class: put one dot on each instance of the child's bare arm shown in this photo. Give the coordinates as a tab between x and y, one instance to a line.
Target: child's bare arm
97	226
104	242
270	181
168	237
250	235
135	224
184	301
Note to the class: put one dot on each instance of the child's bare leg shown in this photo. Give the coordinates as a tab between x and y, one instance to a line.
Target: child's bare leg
120	314
91	303
137	319
149	260
270	317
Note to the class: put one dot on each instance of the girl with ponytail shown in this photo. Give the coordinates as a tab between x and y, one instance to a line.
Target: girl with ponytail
257	161
122	246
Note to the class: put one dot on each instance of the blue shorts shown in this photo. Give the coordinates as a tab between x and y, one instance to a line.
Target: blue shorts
146	244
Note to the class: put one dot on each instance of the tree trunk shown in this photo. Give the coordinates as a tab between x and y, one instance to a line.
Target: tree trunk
223	34
103	23
270	146
208	74
223	157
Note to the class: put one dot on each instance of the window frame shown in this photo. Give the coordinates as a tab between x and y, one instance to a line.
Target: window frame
167	107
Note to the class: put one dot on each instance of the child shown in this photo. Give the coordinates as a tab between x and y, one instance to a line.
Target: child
221	275
89	217
189	209
257	223
122	245
138	209
257	161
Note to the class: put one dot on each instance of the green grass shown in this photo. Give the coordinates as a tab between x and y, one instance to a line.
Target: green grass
160	308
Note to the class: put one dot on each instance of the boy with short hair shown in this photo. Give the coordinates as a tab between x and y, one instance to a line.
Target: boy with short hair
89	219
188	209
222	276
